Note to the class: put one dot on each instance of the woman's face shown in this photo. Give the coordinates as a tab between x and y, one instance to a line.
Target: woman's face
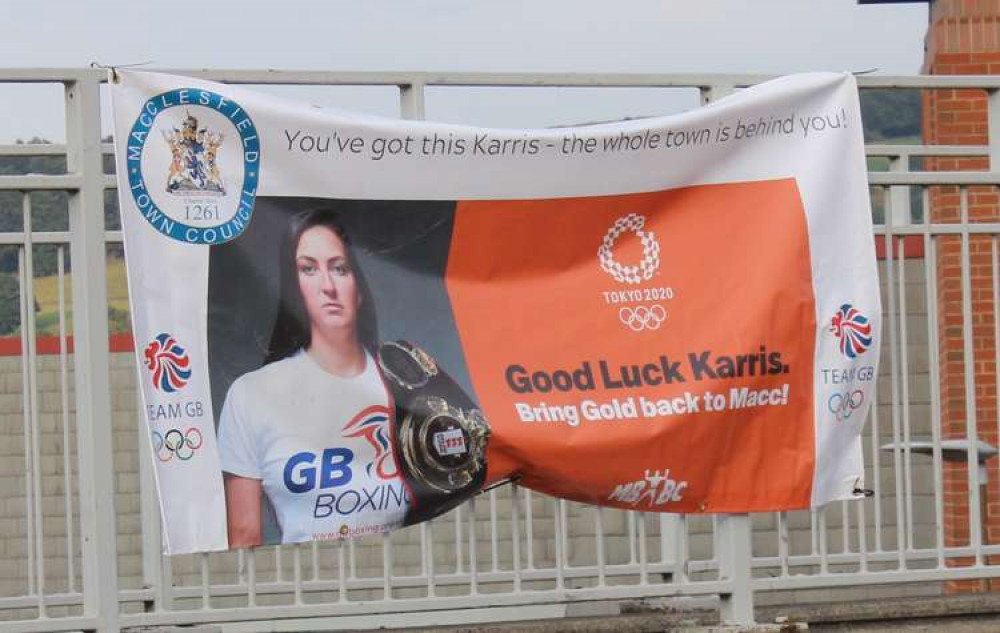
326	280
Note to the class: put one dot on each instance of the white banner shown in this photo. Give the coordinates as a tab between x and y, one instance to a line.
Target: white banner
347	324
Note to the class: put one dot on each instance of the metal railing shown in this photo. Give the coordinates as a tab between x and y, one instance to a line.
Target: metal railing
70	434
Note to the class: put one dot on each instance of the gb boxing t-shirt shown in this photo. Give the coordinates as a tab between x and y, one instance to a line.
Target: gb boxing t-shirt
320	444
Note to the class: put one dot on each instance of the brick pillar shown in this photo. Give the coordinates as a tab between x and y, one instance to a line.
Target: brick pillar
963	38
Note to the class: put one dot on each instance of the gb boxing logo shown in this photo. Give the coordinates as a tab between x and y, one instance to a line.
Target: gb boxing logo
373	425
168	362
176	443
637	318
853	329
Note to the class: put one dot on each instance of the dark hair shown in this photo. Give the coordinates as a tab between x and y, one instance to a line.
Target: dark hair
292	330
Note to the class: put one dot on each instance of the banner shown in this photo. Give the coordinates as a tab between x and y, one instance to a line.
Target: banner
346	324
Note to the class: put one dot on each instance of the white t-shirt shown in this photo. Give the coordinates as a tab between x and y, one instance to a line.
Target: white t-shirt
320	444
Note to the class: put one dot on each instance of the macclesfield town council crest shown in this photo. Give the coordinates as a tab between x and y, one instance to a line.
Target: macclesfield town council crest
193	165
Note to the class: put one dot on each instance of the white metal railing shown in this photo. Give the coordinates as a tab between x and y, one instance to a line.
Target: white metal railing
509	554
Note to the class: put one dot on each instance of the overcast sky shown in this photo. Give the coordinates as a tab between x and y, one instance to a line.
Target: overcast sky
767	36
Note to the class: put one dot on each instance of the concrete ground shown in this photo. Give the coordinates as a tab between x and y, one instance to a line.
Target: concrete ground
976	624
958	614
952	614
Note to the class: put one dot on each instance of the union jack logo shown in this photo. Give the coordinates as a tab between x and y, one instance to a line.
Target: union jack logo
373	425
169	363
853	330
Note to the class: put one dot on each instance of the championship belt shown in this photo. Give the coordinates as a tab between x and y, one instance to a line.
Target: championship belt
440	434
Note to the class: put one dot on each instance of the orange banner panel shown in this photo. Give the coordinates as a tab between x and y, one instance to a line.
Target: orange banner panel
647	351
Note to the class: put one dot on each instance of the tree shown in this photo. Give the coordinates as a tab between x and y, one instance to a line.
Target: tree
10	304
890	114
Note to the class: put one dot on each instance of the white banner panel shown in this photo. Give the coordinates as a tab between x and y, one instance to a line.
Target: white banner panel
347	324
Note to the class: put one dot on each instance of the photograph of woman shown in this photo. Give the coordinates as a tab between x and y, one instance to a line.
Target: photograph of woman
311	428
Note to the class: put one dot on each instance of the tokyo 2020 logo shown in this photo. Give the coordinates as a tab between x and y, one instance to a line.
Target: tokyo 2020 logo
647	266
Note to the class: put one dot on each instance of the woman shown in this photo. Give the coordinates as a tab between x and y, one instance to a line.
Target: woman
311	428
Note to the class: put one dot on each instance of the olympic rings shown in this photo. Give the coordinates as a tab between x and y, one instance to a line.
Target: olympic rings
174	442
842	405
643	318
647	267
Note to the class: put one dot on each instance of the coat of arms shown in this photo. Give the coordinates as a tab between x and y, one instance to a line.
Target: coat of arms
193	167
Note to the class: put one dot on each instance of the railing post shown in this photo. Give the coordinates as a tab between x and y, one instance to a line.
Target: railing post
90	333
993	125
411	98
715	92
899	203
670	525
733	552
734	541
156	569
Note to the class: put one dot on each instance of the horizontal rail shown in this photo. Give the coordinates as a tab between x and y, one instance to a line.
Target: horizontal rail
854	558
918	150
72	182
43	149
422	581
50	182
493	79
833	579
396	605
49	237
985	228
39	182
45	625
59	149
934	178
356	584
985	82
37	237
33	149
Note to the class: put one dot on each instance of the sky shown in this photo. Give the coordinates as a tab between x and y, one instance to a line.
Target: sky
661	36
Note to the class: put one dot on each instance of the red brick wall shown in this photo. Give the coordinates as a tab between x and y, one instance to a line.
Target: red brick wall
963	38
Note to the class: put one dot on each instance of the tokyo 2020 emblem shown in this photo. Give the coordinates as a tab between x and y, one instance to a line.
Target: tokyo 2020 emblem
168	363
637	273
853	329
193	162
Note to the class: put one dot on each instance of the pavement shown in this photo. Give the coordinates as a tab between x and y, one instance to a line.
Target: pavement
978	613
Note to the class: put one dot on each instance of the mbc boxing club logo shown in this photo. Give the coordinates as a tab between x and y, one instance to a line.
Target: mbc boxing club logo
168	363
853	329
176	443
373	425
642	317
